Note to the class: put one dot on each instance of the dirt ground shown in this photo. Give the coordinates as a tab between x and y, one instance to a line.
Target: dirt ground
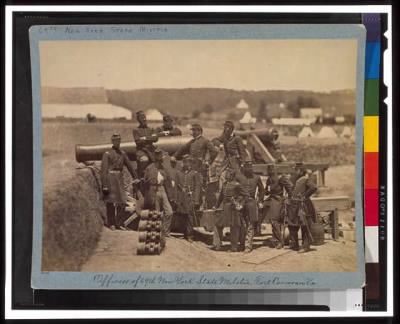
116	252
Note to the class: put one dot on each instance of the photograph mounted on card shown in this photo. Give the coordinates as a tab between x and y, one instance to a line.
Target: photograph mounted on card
198	156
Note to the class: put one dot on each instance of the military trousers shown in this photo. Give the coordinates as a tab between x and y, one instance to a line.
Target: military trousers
217	236
162	204
277	231
294	236
247	234
114	212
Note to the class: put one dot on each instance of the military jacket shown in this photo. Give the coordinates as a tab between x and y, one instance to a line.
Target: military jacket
174	131
233	147
276	184
197	148
115	160
249	186
147	142
304	187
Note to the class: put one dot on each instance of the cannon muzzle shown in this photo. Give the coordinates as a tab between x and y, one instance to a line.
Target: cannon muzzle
170	145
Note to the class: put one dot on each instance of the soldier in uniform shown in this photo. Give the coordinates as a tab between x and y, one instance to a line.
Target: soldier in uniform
114	194
229	198
158	184
301	211
168	128
198	148
189	190
271	142
144	138
235	152
202	153
276	186
250	186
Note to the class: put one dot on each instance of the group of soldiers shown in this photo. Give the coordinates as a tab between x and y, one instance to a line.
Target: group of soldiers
240	202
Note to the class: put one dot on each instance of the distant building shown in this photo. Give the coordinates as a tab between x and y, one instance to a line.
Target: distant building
242	105
247	118
310	113
99	111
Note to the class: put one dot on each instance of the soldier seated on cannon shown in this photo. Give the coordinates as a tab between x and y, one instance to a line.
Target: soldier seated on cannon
188	196
302	211
234	149
271	142
144	138
112	182
168	128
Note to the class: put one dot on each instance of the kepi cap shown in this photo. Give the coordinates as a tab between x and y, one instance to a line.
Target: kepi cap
116	136
196	126
229	123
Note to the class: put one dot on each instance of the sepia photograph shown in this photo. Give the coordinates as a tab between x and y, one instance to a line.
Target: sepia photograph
211	155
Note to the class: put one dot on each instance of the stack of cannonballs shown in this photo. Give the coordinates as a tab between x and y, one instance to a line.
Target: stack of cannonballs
151	236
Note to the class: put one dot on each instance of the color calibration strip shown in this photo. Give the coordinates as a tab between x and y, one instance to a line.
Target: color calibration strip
371	154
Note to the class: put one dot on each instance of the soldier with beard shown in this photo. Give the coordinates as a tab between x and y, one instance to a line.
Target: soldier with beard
250	186
276	186
301	211
189	190
230	208
168	128
144	137
112	180
235	152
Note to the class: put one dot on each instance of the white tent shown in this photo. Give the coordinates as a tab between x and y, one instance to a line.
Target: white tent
346	133
306	132
247	119
327	132
242	105
153	115
102	111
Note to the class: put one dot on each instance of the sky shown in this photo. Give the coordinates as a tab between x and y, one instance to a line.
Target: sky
317	65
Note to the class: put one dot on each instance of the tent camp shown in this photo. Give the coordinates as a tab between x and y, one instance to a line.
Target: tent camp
153	115
306	132
292	121
100	111
242	105
327	132
346	133
247	119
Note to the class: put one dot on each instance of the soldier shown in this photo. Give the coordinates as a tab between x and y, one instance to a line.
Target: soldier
198	148
235	152
157	183
144	137
230	208
189	190
114	194
301	211
250	186
276	186
271	142
168	128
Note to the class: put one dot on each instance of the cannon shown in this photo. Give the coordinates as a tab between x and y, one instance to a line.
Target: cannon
95	152
255	139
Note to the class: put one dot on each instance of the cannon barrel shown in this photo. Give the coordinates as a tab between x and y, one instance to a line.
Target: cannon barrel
95	152
258	132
